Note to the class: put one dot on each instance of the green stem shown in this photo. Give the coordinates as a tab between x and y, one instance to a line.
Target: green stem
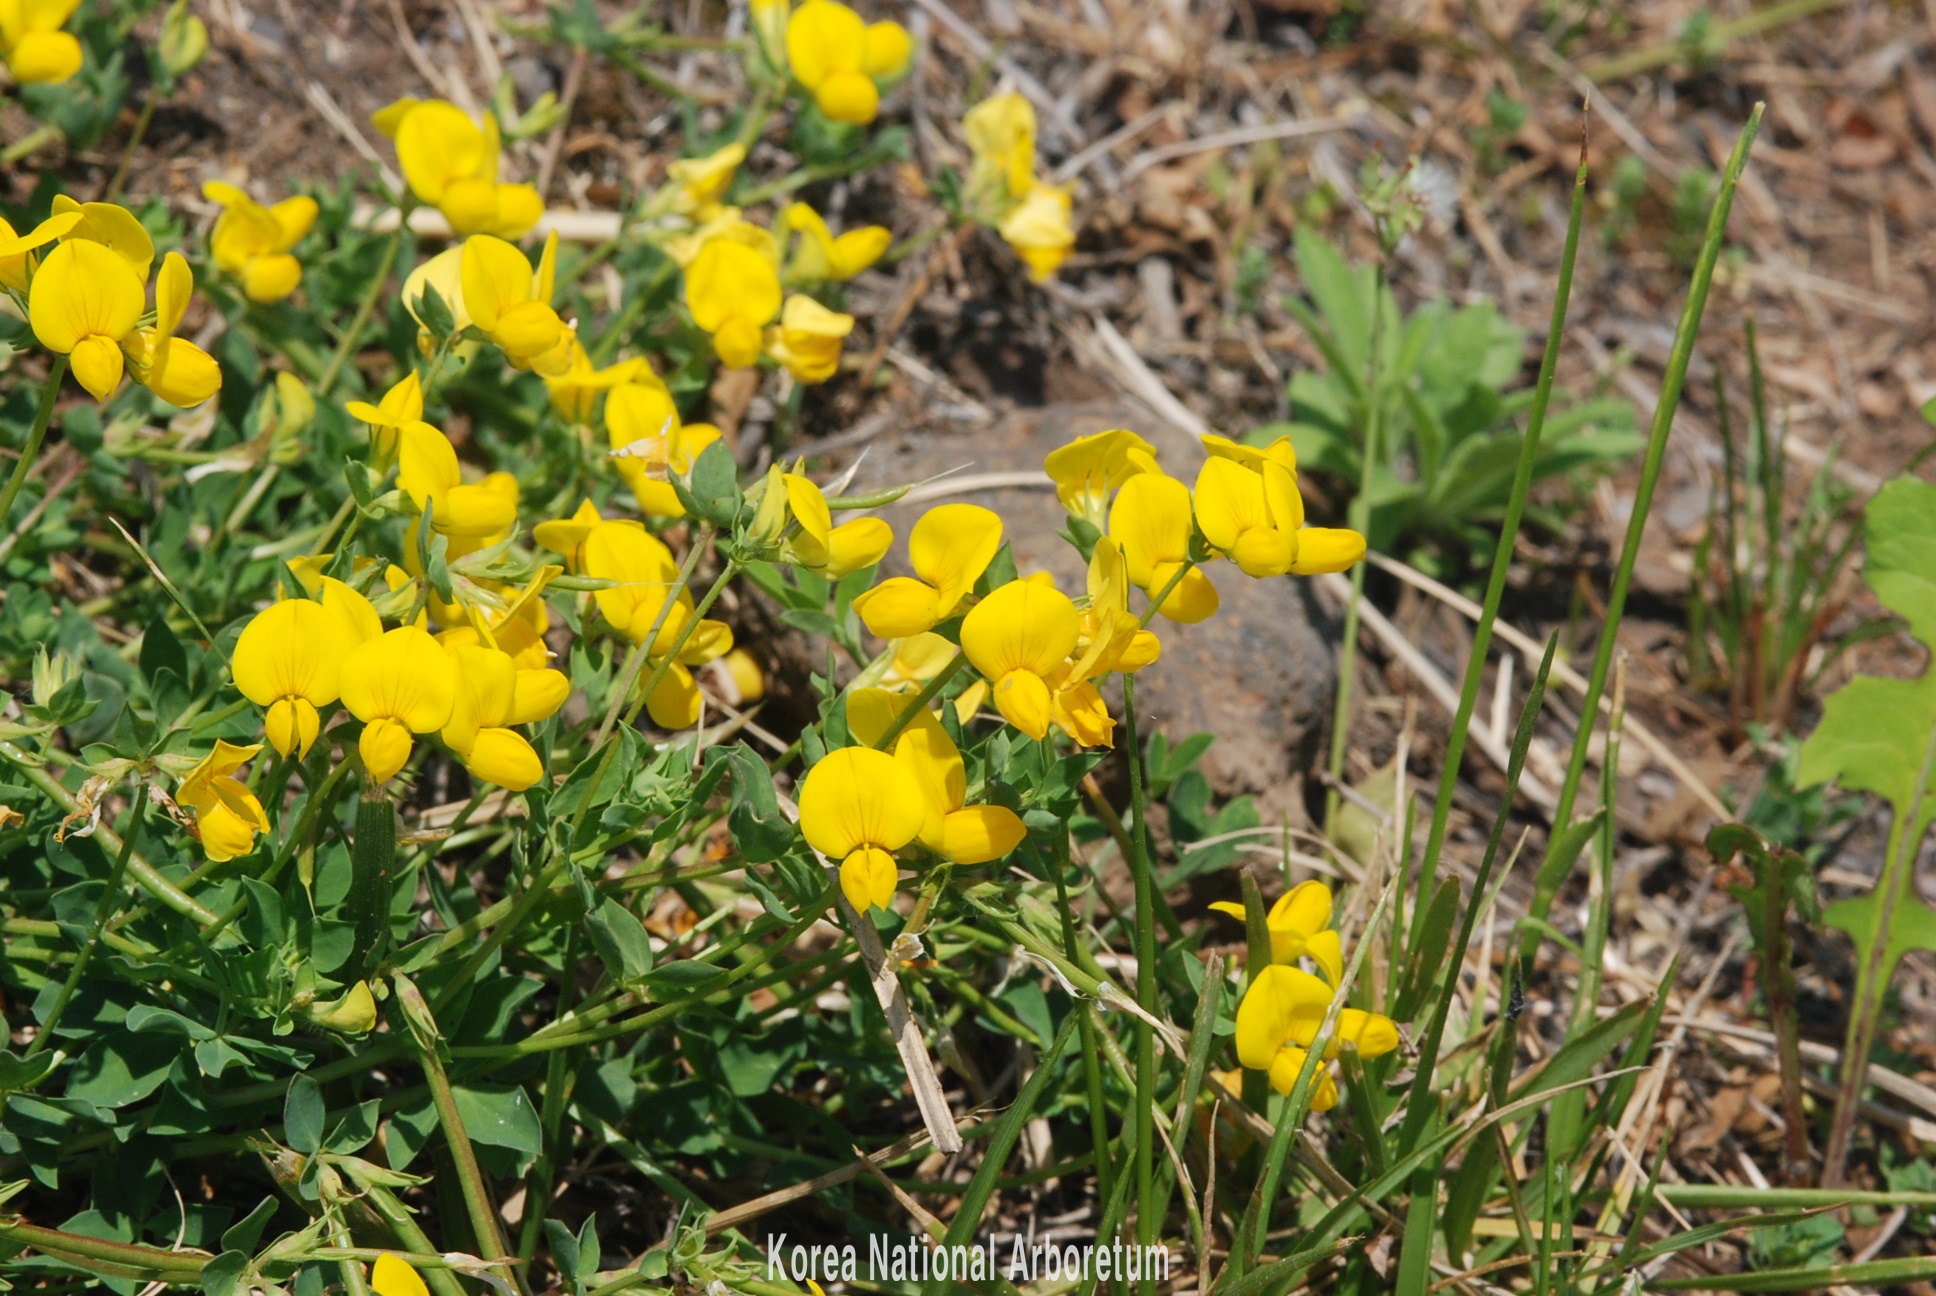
346	344
1670	397
679	642
29	144
372	880
135	137
43	415
404	1225
110	901
1163	595
921	700
538	1185
1140	866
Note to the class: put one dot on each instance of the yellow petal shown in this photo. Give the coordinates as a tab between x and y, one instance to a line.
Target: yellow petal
823	39
385	748
1087	469
867	878
537	695
391	1276
114	227
180	372
495	276
97	365
1327	549
271	278
1023	626
855	797
173	287
981	833
1327	951
44	58
1230	907
886	50
84	290
291	649
436	145
951	546
504	758
730	281
1024	700
1151	517
898	608
291	724
405	676
675	702
1302	911
1373	1034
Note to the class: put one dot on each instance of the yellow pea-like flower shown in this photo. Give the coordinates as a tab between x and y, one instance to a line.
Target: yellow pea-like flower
1250	517
1001	136
809	339
649	441
839	58
428	473
1317	549
1299	925
445	273
733	292
511	303
1280	451
1018	637
252	242
858	806
398	684
1151	517
575	392
963	833
644	573
83	302
112	226
452	164
20	253
567	535
401	406
37	50
289	657
1284	1008
354	1013
227	814
825	549
748	678
173	368
821	255
1041	230
1327	549
949	549
1289	1064
1091	468
695	185
486	706
392	1276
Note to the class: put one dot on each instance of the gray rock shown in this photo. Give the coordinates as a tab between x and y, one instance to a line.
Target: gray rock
1260	675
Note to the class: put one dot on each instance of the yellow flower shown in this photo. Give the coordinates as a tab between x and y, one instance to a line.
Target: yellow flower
1111	639
289	657
398	684
83	302
644	572
227	814
38	51
648	441
1001	135
1327	549
965	834
822	256
809	338
748	679
1089	468
252	242
1250	517
479	729
1298	925
769	25
918	659
1151	517
393	1276
401	406
838	58
695	185
1316	549
511	303
724	223
19	253
567	535
173	368
352	1014
1040	230
112	226
427	471
949	549
575	392
821	547
452	165
1280	451
1017	638
445	273
1281	1013
857	806
733	292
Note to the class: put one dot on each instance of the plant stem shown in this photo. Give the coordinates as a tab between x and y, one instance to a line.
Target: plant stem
706	602
346	344
920	702
1145	1111
135	137
110	901
538	1185
43	415
1545	887
1475	668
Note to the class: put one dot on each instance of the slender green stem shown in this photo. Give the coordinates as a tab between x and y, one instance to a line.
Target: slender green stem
1092	1064
1147	1224
138	134
43	415
1163	595
346	345
1475	668
679	641
404	1225
538	1184
921	700
354	1284
29	144
110	901
1670	398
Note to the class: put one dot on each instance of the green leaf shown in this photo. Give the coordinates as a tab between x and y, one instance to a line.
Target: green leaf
161	650
302	1116
500	1116
621	941
247	1231
759	828
222	1275
715	484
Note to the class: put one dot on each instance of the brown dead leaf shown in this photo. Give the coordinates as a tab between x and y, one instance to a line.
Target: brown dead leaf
1723	1110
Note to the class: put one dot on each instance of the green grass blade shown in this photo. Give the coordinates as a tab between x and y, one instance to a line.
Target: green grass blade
1007	1131
1877	1273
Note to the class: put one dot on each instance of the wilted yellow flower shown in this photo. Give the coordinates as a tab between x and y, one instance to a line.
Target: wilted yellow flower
949	549
1151	517
823	256
809	339
83	302
733	292
839	58
452	164
354	1013
37	50
1299	926
428	472
173	368
644	574
1089	468
1001	135
695	185
398	684
1039	228
858	805
1279	1019
252	242
511	303
821	547
648	441
1018	637
227	814
965	834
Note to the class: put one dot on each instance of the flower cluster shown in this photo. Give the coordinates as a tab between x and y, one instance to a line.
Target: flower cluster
839	58
1005	192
